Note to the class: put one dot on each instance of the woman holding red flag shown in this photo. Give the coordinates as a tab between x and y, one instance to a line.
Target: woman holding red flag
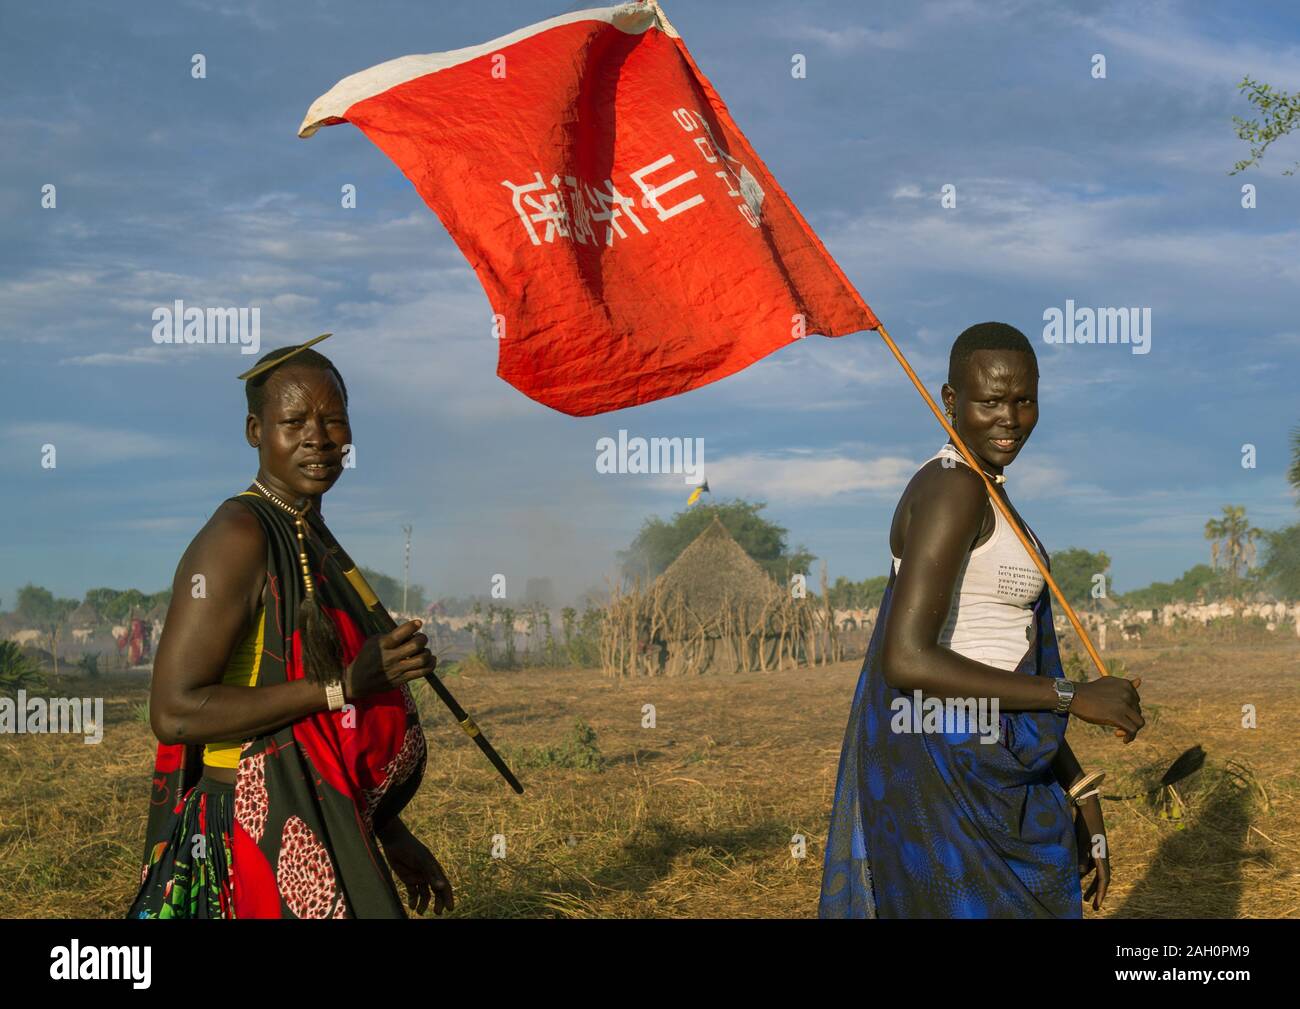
947	821
289	740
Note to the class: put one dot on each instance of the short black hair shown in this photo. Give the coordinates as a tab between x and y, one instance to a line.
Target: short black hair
255	387
986	336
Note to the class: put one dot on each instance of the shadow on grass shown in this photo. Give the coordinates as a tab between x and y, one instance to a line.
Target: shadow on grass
1177	883
543	889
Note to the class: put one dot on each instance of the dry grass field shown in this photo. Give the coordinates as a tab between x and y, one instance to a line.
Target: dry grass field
694	818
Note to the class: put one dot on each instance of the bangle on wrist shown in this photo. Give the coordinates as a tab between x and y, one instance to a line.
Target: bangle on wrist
1086	787
334	695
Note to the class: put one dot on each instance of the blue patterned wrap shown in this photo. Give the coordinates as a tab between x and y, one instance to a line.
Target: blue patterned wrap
942	825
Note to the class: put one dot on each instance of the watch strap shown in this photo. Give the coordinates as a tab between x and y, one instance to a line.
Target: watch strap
1064	695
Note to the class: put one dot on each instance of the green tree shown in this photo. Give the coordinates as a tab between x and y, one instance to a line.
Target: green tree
35	604
389	590
659	543
1201	582
1232	544
1075	569
863	595
39	606
1281	568
101	599
125	603
1293	474
17	671
1281	115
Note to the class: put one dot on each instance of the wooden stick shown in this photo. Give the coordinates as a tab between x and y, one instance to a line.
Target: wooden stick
993	495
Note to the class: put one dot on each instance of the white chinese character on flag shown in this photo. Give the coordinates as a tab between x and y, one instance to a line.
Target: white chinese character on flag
549	209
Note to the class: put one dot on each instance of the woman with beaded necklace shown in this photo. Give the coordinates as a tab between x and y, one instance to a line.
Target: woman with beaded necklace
288	738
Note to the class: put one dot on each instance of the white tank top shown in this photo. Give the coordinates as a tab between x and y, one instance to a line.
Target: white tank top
991	619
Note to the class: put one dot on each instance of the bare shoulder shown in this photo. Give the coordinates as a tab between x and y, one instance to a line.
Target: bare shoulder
232	542
234	526
953	481
940	497
954	493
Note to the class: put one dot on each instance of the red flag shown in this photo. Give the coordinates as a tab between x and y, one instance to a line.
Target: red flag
631	243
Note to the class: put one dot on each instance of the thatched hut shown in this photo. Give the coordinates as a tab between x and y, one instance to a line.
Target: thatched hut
85	616
714	610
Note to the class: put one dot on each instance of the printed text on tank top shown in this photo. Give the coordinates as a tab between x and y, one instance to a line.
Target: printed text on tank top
991	616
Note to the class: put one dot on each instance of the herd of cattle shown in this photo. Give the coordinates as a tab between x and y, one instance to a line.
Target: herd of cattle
1123	620
79	635
1127	624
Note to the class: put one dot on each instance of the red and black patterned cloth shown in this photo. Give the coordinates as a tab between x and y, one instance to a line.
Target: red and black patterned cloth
295	836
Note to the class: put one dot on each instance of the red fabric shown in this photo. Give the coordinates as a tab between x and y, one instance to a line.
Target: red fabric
253	880
591	320
350	749
168	757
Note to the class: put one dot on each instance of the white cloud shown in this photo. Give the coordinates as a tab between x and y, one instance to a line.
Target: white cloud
151	354
81	444
1008	230
806	476
847	37
1166	41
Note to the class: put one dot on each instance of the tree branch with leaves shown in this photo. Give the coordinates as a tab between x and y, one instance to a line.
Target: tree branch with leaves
1280	115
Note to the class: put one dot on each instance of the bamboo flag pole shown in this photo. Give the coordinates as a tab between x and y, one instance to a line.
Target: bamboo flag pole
993	495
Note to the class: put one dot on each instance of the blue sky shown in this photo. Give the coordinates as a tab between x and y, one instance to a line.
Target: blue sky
1109	192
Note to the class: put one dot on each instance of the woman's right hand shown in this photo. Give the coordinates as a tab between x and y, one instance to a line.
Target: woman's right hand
1110	700
386	661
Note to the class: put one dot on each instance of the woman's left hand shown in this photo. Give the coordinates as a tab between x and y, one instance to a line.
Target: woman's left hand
1090	833
418	870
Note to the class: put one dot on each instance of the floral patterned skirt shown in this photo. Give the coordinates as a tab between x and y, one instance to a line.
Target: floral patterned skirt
188	875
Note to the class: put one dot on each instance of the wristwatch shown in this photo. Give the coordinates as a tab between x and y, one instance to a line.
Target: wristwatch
1064	695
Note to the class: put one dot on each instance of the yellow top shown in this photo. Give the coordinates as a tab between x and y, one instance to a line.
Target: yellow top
241	671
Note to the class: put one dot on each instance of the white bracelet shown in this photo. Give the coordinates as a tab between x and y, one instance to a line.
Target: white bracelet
1087	781
334	695
1078	800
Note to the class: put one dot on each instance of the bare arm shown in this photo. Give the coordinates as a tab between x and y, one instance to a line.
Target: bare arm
947	513
1065	766
188	703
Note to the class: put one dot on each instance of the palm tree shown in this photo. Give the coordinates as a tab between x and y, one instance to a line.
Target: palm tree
1293	474
1232	541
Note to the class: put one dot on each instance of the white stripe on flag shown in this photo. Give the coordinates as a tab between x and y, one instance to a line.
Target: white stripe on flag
631	18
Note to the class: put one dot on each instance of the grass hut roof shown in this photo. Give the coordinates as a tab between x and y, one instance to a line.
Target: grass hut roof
84	615
714	573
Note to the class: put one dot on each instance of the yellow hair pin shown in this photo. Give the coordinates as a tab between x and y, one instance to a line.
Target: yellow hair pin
268	365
